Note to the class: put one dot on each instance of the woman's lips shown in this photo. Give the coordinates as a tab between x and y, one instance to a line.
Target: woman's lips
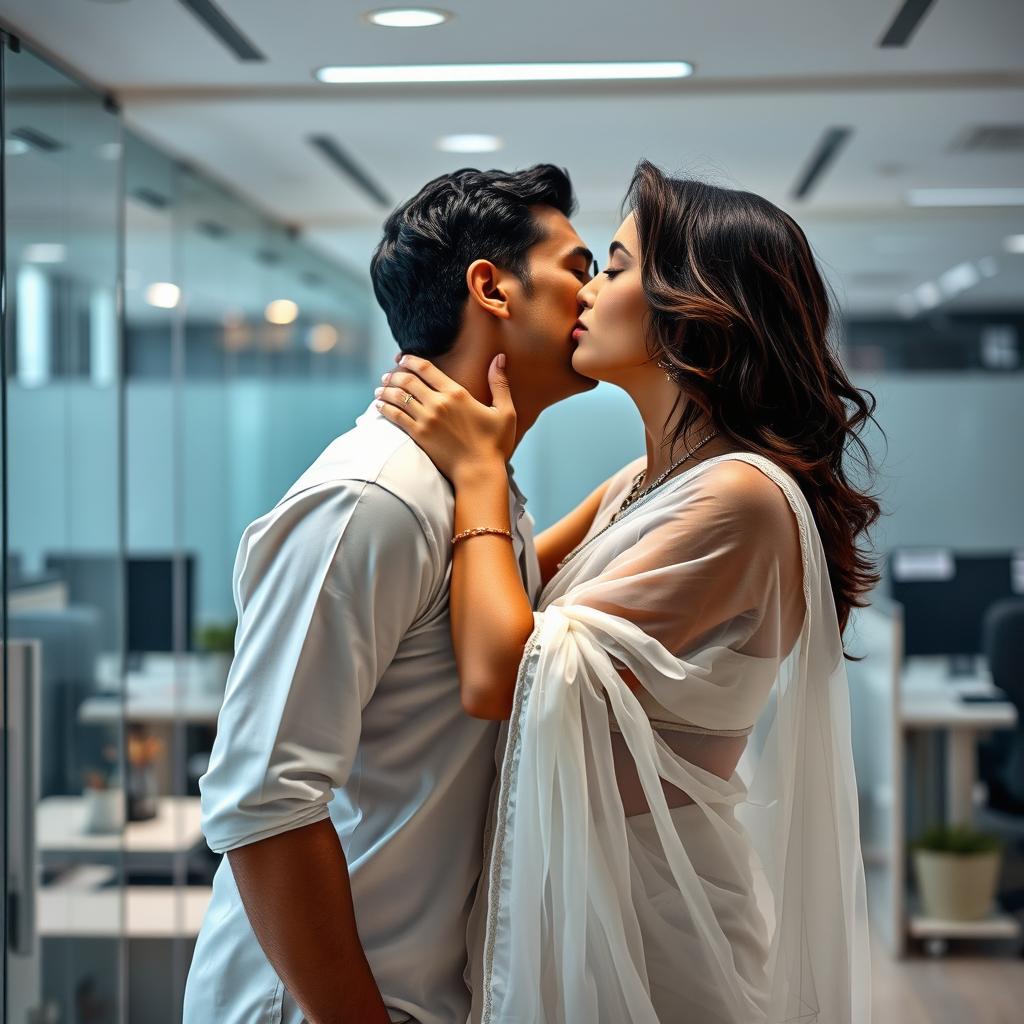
578	331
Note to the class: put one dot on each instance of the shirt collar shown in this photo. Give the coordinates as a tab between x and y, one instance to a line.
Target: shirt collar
514	487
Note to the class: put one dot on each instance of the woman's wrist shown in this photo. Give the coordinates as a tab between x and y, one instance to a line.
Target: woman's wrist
481	472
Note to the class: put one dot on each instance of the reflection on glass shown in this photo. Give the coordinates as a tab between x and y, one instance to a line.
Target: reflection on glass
153	411
62	577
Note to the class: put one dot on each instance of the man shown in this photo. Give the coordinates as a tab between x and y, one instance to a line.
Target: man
347	785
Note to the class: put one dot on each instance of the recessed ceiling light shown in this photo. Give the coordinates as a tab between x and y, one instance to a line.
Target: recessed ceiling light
322	337
564	72
45	252
15	147
959	278
407	17
163	294
988	266
1014	243
966	197
469	143
927	295
108	150
281	311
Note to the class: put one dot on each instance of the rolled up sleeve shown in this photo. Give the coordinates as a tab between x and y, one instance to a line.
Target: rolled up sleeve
325	586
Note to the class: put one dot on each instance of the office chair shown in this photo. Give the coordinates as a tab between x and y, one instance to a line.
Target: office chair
1003	645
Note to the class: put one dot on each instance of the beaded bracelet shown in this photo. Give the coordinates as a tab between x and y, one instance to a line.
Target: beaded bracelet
478	531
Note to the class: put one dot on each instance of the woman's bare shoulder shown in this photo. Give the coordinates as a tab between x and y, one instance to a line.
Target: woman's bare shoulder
747	491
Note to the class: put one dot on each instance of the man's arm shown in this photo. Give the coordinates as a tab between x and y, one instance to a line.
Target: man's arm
296	893
325	587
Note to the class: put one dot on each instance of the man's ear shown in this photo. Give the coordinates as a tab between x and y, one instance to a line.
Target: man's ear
486	284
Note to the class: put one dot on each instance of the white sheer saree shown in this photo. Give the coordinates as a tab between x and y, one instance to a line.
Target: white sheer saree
687	852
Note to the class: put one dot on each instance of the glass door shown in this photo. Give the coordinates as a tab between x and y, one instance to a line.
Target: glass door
63	629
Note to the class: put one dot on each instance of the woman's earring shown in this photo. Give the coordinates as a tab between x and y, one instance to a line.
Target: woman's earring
670	371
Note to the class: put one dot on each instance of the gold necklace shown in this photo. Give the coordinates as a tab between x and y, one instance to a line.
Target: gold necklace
635	493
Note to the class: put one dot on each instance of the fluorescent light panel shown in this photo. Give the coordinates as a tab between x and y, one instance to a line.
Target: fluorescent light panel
966	196
469	143
565	72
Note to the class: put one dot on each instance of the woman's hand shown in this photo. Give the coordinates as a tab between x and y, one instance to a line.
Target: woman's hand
460	434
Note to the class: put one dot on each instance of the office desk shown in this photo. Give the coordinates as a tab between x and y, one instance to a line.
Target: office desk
161	703
132	912
930	699
160	842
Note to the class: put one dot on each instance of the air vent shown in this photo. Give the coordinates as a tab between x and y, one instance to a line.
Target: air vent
907	21
821	159
991	138
154	200
220	26
337	156
212	229
37	140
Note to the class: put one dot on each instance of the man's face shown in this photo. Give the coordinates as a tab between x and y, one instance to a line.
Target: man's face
540	343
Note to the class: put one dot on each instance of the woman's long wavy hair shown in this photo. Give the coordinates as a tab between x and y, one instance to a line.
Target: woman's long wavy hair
740	318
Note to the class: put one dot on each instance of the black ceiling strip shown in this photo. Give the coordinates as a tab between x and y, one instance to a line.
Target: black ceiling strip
825	153
212	229
37	139
151	198
219	24
905	24
350	168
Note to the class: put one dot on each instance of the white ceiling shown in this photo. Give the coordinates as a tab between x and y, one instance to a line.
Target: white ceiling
771	77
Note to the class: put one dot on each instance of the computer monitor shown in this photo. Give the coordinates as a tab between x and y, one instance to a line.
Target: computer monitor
152	601
945	596
149	600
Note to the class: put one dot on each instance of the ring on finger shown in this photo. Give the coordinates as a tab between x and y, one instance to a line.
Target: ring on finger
408	398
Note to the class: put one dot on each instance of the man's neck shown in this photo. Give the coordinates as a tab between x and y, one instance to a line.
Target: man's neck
469	369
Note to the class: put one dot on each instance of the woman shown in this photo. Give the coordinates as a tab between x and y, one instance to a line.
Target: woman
675	832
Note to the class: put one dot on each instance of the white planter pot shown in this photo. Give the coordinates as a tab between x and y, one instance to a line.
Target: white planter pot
104	810
956	886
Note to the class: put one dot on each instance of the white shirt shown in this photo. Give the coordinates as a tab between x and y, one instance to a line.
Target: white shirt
343	701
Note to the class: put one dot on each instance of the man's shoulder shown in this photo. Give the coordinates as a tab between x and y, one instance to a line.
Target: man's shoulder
377	452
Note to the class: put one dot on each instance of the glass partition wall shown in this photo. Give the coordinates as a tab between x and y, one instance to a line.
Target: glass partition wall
173	359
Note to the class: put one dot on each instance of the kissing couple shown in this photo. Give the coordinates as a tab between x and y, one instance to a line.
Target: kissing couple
598	776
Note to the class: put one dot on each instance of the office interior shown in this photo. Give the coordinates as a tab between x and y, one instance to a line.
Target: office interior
188	216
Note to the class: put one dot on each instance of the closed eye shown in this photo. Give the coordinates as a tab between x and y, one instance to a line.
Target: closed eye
609	273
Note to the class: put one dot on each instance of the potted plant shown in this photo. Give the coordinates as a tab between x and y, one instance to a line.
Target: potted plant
103	796
143	750
217	640
957	869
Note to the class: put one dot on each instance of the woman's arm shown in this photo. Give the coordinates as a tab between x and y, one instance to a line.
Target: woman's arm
491	613
559	539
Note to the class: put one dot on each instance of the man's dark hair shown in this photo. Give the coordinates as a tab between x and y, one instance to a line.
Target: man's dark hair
419	267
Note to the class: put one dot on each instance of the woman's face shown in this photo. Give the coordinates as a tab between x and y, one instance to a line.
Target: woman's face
613	346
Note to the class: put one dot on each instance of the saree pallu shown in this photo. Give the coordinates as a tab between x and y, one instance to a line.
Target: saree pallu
685	850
